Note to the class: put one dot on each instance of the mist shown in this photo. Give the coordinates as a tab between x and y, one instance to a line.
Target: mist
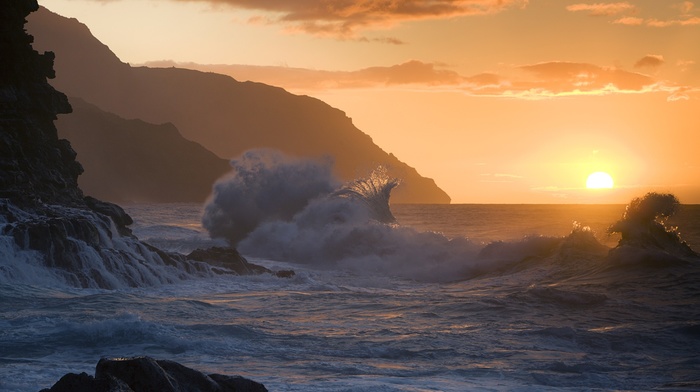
264	185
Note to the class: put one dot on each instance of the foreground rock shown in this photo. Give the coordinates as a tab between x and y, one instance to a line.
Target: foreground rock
145	374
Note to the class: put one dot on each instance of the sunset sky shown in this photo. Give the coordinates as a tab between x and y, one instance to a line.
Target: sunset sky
499	101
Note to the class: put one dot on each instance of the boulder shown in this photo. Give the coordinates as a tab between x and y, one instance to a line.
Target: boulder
145	374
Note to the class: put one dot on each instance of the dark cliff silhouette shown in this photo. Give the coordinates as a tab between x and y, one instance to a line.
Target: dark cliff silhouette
45	220
35	166
223	115
132	160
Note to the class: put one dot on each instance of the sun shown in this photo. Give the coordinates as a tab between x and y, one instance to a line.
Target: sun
599	180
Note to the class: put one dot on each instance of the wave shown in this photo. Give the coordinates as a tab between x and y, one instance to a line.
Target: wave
374	192
264	185
71	247
353	228
646	240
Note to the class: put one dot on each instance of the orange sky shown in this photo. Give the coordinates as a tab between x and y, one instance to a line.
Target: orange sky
500	101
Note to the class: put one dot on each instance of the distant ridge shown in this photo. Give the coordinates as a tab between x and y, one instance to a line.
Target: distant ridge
225	116
135	161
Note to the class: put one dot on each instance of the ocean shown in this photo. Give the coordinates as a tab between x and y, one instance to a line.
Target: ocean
540	307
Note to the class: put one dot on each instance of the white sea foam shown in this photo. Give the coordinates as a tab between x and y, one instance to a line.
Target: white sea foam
339	328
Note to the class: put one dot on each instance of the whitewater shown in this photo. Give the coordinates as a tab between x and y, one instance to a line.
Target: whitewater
537	324
388	298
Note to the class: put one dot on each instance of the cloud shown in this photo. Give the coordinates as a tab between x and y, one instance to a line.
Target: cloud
602	9
344	18
685	7
406	74
531	81
686	17
650	61
690	21
685	65
560	77
630	21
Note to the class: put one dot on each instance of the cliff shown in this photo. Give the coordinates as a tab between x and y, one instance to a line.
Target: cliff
35	166
132	160
223	115
49	232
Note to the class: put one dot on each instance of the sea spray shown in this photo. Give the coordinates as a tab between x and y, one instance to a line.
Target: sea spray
374	191
72	247
352	229
264	185
645	237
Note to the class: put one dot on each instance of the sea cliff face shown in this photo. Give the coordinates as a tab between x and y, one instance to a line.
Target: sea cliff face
35	166
50	233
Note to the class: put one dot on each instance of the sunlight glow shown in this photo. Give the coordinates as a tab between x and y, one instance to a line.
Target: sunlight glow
599	180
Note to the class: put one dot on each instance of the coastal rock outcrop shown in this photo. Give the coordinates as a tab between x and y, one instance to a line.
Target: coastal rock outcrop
49	231
35	166
230	259
145	374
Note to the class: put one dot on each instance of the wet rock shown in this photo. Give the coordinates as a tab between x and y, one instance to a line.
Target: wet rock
83	241
120	218
230	259
145	374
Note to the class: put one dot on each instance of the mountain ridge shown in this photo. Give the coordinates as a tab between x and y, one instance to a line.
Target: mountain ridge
131	153
225	116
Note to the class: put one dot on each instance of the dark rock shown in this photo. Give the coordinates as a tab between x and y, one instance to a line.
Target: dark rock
228	258
41	206
83	382
285	273
35	166
237	383
120	218
145	374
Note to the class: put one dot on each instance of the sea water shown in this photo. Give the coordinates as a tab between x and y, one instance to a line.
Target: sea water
556	318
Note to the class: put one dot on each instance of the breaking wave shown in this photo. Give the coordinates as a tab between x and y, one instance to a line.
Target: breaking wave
352	227
264	185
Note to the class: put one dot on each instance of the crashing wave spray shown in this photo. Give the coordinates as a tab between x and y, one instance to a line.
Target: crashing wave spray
264	185
374	192
643	227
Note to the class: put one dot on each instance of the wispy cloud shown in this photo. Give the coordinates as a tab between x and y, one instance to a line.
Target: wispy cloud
531	81
602	9
344	18
650	61
628	14
690	21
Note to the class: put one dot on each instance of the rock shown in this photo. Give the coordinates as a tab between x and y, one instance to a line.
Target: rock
145	374
82	241
120	218
230	259
83	382
35	166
